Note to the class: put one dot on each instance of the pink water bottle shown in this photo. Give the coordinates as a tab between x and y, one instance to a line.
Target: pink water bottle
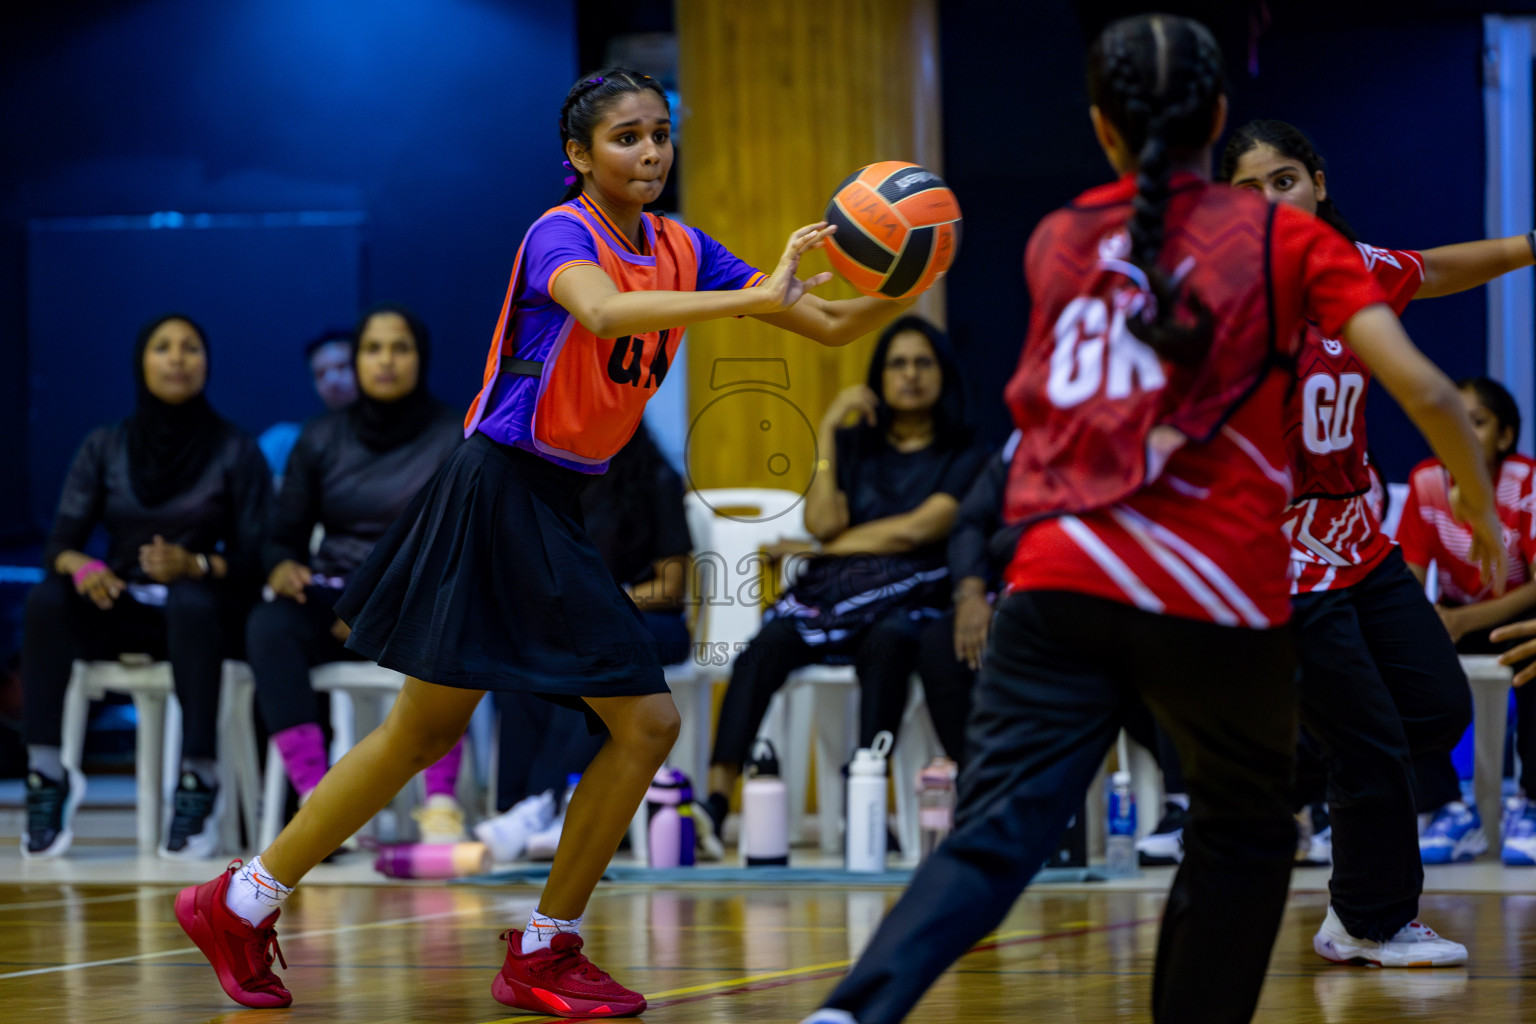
670	837
433	860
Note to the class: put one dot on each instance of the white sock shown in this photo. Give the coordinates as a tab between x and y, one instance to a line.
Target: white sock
541	931
254	894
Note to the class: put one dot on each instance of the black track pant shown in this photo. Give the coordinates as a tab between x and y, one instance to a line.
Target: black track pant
1061	672
284	640
196	630
1381	691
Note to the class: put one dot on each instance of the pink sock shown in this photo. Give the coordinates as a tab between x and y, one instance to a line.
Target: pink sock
303	750
442	779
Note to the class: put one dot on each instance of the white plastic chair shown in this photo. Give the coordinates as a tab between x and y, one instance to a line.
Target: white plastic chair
158	739
361	695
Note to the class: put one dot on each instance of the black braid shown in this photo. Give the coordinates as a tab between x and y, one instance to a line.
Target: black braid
586	102
1291	142
1157	79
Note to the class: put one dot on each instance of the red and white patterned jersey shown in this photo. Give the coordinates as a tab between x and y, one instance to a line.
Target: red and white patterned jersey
1335	532
1192	532
1429	533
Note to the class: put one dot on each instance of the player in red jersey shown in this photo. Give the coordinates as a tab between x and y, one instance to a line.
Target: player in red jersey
1430	535
1381	689
1150	479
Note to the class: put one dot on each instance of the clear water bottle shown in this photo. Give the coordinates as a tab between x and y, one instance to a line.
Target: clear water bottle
935	802
1120	840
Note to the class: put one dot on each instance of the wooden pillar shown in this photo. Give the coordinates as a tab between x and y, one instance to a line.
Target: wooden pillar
780	102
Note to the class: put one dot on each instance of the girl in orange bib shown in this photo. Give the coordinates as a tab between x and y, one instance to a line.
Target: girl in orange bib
488	581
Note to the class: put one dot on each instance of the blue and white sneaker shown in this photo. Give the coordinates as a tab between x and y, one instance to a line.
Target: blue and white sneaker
1520	833
1454	834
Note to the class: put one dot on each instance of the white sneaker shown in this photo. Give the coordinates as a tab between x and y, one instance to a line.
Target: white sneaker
440	819
1416	945
826	1016
507	834
1319	851
543	844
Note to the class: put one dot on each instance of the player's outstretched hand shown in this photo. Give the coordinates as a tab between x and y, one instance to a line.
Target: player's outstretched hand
783	288
1488	549
1525	652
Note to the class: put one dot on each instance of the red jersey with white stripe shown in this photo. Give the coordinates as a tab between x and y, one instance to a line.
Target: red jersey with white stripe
1430	533
1198	536
1334	529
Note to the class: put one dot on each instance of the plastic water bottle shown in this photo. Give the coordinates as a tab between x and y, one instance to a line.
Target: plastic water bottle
1120	841
433	860
936	802
865	838
670	835
764	811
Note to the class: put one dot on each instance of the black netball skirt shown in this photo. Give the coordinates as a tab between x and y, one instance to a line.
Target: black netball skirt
488	581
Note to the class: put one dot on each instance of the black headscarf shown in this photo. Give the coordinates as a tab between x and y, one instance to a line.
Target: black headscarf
951	424
169	446
384	426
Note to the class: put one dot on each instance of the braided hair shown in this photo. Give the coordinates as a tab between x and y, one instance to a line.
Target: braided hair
585	104
1290	142
1159	80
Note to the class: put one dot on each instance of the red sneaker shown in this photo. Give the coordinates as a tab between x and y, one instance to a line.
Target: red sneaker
241	953
560	981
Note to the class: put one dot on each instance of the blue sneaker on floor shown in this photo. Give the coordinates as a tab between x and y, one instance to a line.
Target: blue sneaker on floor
1454	834
1520	833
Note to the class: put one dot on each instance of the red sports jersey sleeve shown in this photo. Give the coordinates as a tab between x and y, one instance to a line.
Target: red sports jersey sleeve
1436	536
1317	275
1399	272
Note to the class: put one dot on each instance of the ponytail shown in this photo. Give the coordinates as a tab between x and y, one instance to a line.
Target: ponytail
1158	80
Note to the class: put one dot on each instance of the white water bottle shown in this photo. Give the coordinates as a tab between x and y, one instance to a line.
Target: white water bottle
764	811
865	838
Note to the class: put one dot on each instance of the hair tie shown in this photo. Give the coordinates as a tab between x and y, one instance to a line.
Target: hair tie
570	179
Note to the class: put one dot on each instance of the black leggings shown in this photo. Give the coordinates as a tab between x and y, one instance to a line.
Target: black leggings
285	640
947	686
1062	670
884	656
195	631
1382	693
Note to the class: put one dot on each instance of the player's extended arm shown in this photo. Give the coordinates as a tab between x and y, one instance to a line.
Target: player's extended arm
591	296
836	322
1433	404
1455	268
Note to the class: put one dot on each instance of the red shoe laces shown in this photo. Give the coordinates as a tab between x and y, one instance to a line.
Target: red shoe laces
270	950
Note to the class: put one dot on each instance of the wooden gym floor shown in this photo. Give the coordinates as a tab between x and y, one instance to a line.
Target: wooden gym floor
89	952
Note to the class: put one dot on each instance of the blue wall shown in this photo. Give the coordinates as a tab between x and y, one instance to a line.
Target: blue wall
435	117
1394	103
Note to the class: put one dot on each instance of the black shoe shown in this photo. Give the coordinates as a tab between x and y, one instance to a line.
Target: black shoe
50	813
1164	845
193	834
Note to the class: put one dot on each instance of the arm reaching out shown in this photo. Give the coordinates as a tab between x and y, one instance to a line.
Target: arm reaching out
1433	404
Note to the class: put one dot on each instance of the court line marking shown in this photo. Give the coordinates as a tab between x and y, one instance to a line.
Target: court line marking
816	972
183	950
77	902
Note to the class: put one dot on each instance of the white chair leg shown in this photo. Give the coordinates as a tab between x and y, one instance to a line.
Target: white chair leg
274	795
915	747
639	836
148	755
795	754
1147	783
1490	718
833	738
77	709
238	764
